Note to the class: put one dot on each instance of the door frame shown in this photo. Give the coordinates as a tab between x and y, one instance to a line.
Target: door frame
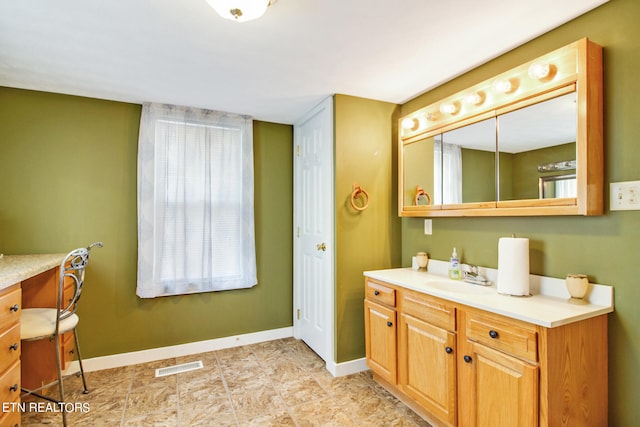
327	105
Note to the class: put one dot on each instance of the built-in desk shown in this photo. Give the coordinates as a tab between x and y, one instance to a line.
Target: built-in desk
26	281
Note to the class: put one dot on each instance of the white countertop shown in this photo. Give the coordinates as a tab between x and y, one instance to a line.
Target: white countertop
548	306
16	268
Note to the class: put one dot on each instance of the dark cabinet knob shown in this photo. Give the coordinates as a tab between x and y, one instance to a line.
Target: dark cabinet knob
449	350
493	334
389	324
14	308
14	346
14	387
376	293
467	359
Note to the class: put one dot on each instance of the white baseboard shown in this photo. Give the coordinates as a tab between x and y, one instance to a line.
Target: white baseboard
144	356
347	368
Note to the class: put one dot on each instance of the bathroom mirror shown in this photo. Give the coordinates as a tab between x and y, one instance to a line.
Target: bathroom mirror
419	173
525	142
534	143
466	172
453	168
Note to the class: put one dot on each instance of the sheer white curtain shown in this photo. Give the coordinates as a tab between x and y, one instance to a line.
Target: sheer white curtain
447	173
195	201
566	188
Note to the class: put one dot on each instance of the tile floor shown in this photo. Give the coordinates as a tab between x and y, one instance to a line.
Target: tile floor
276	383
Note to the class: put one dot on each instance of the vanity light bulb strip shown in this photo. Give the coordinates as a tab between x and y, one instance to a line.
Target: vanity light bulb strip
558	166
539	70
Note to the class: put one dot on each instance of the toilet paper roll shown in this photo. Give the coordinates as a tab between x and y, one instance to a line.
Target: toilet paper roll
513	266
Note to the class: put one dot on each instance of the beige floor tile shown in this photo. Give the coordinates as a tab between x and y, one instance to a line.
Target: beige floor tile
253	404
166	419
321	413
152	399
217	412
302	390
276	383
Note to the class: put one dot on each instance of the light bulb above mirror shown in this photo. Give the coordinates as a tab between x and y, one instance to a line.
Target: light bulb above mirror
410	123
450	107
502	85
475	98
539	70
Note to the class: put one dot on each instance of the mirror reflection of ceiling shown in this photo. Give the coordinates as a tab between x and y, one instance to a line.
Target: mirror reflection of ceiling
546	124
275	68
542	125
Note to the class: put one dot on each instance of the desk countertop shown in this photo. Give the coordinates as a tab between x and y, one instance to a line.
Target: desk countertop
16	268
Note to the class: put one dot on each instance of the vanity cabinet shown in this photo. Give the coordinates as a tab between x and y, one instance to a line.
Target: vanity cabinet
381	330
427	354
499	373
458	365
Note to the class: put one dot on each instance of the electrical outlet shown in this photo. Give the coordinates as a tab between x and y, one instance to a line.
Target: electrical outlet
624	196
428	229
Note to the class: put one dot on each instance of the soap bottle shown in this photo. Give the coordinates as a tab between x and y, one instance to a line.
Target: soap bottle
454	267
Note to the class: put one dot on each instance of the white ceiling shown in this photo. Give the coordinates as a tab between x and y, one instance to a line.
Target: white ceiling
275	68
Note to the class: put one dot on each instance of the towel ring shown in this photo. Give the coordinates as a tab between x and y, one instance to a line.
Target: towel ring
420	193
357	191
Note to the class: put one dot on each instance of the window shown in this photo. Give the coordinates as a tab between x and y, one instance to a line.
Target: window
447	172
195	202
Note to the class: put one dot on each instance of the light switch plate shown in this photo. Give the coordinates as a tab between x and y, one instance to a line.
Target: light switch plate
428	230
624	196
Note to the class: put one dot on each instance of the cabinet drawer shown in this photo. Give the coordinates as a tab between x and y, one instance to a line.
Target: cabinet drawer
10	306
9	346
10	384
381	293
503	335
11	418
430	309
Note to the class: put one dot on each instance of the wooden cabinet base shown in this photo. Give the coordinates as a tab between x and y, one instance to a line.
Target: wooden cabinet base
408	401
456	365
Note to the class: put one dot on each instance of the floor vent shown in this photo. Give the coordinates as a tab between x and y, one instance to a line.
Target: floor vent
177	369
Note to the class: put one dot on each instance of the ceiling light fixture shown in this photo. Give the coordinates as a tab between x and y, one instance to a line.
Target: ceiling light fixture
240	10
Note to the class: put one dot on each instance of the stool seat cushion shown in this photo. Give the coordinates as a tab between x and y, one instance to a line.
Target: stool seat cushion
38	323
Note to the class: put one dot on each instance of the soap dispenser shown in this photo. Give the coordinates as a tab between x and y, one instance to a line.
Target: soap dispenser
454	266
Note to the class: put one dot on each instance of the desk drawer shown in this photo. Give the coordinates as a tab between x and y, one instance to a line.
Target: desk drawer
9	346
10	384
11	418
10	307
381	293
503	335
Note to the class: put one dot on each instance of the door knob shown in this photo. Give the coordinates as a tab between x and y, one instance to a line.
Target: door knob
321	246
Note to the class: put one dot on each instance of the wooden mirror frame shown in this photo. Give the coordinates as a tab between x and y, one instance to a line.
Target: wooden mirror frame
577	66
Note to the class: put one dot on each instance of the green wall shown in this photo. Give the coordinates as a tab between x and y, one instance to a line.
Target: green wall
478	176
68	168
524	169
365	151
605	247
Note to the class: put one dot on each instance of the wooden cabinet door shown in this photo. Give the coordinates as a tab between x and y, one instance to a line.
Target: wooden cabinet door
380	333
504	389
427	366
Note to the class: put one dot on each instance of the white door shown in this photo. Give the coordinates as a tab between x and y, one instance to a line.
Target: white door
313	288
